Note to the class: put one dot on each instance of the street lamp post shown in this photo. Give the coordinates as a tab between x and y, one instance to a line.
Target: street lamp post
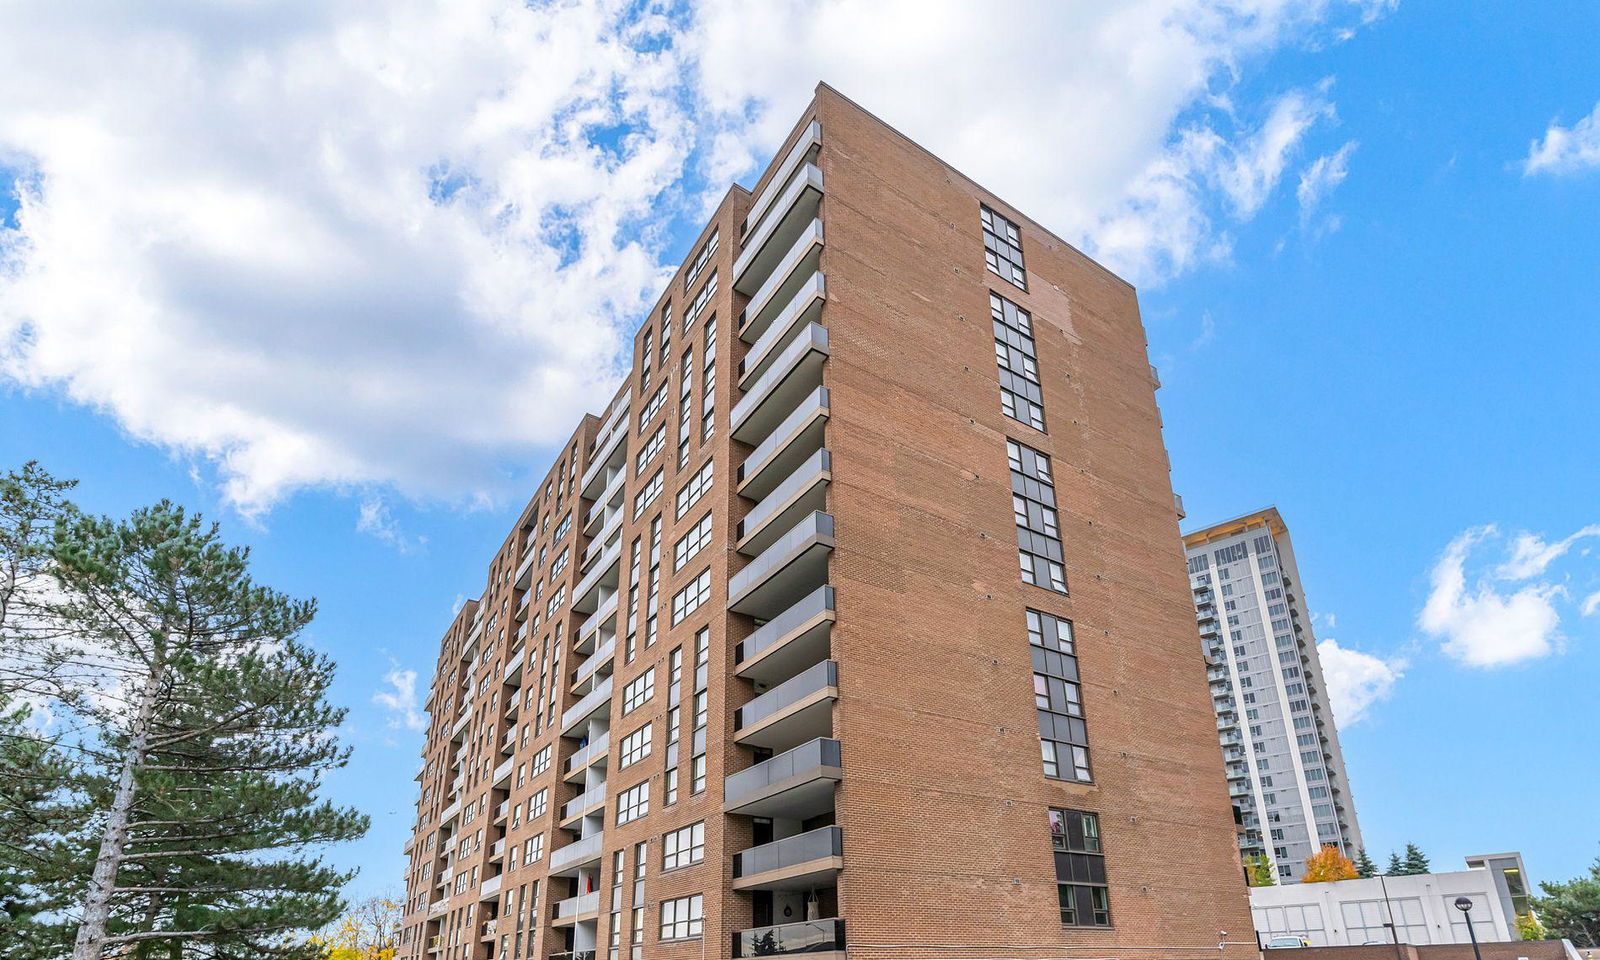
1464	904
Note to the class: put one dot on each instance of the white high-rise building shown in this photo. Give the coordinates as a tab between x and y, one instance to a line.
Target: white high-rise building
1285	770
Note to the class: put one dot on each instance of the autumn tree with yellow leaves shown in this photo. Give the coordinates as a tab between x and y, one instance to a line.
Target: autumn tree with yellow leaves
1327	865
369	931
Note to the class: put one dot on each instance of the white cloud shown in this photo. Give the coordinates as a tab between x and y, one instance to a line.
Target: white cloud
365	247
376	519
1591	604
1566	149
1482	626
1530	554
1356	681
1320	179
399	697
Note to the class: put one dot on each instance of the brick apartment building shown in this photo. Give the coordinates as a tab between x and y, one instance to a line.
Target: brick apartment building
758	671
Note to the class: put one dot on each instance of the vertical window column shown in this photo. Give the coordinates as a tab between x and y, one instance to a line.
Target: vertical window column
1021	397
1058	697
1033	501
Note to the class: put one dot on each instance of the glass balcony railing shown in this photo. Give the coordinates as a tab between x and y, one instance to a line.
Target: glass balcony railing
802	491
587	707
786	694
587	754
793	566
764	246
802	848
577	853
809	141
793	374
788	643
807	936
584	802
795	784
796	437
573	907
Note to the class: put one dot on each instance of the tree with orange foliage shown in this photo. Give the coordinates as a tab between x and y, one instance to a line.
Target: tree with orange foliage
1327	865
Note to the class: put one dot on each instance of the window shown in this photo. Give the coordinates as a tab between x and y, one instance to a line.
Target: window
1033	501
708	392
1020	394
533	849
683	918
689	599
633	803
635	747
638	690
556	600
650	449
541	761
647	496
1002	247
1080	868
562	528
560	565
700	300
646	352
683	847
652	407
691	543
690	493
538	804
1058	698
701	258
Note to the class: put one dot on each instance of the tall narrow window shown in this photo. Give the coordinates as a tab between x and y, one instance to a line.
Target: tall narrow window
1080	868
1058	696
1002	247
1020	395
1033	501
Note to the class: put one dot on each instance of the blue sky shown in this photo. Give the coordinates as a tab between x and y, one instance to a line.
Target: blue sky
1369	308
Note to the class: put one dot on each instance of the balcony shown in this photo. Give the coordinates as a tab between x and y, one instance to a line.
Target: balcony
803	309
589	630
801	862
764	246
788	643
437	907
793	785
604	573
497	851
502	811
614	515
817	939
502	774
802	492
450	813
805	148
796	710
590	801
587	756
579	713
513	671
588	670
573	955
575	909
795	565
524	576
489	928
791	441
609	450
606	510
568	860
795	372
490	888
793	273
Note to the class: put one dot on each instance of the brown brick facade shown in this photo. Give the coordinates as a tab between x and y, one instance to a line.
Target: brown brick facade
942	804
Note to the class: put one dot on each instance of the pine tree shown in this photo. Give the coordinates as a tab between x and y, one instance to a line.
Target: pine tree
40	850
1416	861
1364	865
209	744
1395	867
1571	909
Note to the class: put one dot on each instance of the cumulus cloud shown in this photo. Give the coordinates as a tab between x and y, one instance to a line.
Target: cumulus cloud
1566	149
401	247
1356	681
399	698
1483	624
1591	604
